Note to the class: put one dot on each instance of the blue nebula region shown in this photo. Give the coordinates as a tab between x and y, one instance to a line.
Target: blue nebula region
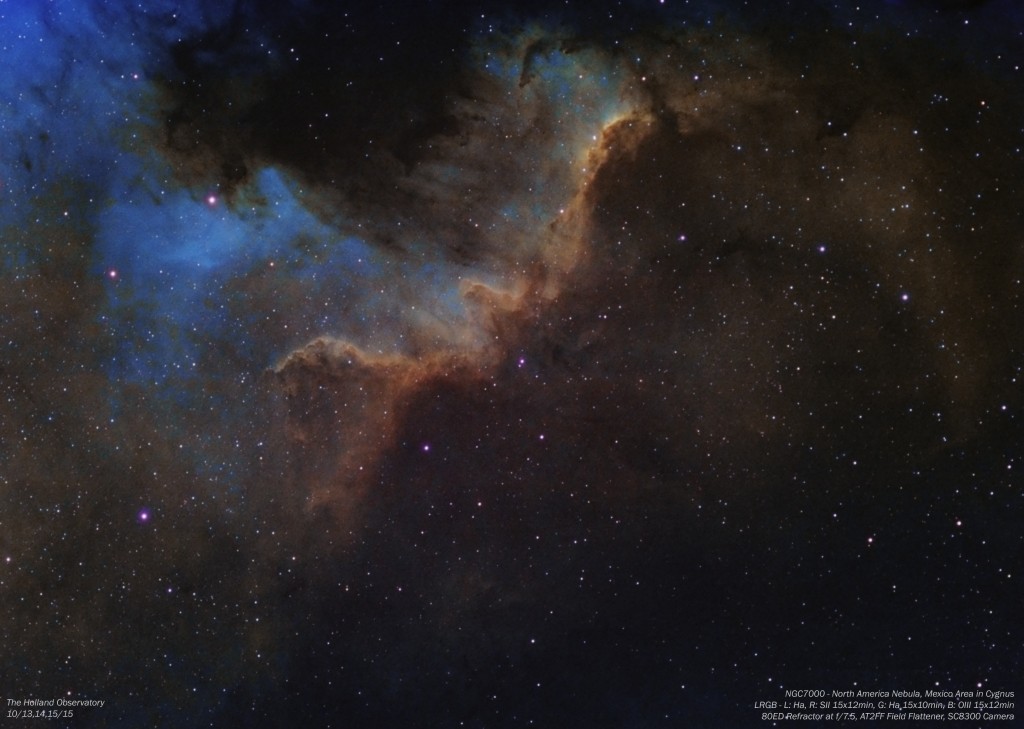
176	261
193	292
192	278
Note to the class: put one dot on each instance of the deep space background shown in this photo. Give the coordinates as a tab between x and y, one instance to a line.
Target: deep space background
507	364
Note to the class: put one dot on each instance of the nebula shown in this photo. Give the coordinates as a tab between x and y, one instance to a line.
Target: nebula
493	364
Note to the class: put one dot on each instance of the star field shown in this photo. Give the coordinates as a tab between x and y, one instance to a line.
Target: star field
493	365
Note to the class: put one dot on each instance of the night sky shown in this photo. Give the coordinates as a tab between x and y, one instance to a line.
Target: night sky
508	364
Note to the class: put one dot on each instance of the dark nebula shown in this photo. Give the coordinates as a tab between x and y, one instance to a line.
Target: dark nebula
507	364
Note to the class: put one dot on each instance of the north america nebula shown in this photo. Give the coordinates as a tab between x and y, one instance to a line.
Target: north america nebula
507	364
